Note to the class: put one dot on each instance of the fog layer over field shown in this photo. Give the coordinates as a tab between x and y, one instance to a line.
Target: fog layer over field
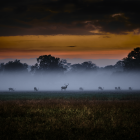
54	81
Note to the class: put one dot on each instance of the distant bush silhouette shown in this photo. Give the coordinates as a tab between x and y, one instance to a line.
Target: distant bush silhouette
14	66
89	65
85	66
109	67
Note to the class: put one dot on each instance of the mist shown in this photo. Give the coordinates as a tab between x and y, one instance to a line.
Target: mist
54	81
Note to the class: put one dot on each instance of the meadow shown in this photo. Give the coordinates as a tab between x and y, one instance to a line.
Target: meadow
72	94
49	115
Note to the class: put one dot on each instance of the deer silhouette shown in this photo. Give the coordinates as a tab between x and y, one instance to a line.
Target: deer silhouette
81	89
35	89
11	89
64	87
119	88
100	88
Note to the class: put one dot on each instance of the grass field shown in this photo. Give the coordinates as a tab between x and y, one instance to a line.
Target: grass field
70	115
98	95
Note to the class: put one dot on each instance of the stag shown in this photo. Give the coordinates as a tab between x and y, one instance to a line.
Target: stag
11	89
35	89
130	88
81	89
100	88
64	87
116	88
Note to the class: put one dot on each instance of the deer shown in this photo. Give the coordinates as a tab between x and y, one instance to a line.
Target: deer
81	89
100	88
35	89
11	89
130	88
119	88
64	87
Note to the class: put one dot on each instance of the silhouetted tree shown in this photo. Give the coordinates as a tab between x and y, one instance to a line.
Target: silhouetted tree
65	64
85	66
89	65
1	67
119	65
48	63
15	66
132	61
109	67
34	68
76	68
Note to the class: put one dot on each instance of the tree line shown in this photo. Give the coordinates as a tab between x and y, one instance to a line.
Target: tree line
48	63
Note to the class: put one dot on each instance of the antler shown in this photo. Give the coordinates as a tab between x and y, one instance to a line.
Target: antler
66	85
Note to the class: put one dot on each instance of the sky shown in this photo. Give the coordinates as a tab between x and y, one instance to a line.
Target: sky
103	31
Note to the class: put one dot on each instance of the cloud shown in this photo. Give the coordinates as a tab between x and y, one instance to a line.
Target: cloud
106	36
114	15
71	46
136	31
41	17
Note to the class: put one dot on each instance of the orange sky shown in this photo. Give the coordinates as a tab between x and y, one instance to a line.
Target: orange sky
107	46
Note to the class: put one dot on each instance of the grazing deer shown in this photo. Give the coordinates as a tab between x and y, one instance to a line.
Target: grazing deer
119	88
130	88
81	89
64	87
35	89
100	88
11	89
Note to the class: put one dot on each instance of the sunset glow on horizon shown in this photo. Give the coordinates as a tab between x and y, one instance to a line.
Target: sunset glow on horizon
69	46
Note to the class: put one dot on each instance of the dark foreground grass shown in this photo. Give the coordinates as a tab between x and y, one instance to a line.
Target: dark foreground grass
63	119
98	95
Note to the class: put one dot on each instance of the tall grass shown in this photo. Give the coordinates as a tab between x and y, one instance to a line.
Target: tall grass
77	119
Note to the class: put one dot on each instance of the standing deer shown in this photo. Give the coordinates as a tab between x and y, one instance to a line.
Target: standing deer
130	88
11	89
100	88
116	88
81	89
35	89
64	87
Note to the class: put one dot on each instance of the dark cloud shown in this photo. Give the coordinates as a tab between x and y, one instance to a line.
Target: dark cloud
41	17
106	36
71	46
